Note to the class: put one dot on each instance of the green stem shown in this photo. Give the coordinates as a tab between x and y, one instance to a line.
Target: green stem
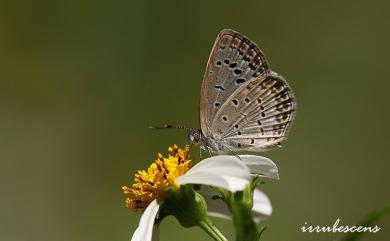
209	227
246	228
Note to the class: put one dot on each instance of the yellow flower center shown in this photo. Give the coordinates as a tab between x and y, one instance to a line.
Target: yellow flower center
151	184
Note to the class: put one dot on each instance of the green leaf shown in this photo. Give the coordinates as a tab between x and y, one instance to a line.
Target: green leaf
261	230
368	221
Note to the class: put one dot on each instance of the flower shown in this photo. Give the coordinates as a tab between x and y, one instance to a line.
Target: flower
162	188
262	208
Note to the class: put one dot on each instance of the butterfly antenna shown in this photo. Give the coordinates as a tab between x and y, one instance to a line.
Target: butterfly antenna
180	127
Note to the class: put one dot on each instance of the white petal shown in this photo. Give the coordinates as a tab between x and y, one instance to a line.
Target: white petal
261	165
227	172
145	226
261	206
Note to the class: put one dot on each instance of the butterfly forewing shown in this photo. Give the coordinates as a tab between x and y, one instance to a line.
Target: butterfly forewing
234	60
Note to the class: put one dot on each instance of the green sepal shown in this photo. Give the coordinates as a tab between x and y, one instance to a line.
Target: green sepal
188	206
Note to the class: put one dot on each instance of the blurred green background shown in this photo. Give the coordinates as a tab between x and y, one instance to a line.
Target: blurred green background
82	80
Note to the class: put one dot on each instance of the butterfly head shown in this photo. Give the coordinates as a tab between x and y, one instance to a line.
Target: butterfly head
195	136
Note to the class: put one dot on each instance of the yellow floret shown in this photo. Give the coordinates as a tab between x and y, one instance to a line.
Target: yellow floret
151	184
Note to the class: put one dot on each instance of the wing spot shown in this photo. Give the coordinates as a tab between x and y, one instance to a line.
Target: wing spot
252	141
219	63
232	65
225	119
259	123
217	104
240	81
261	107
227	61
239	144
236	126
219	87
284	107
262	114
282	117
247	100
211	72
235	102
239	133
279	85
278	127
259	100
237	71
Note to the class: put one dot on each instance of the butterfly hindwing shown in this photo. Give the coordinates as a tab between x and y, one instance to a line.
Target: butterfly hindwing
234	60
257	115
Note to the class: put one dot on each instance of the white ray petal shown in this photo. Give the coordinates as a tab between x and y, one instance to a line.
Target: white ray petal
262	207
145	228
261	165
227	172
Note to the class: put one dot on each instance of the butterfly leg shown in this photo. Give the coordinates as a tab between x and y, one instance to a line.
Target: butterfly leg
235	153
208	149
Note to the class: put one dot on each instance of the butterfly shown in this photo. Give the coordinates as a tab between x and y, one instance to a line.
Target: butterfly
244	105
